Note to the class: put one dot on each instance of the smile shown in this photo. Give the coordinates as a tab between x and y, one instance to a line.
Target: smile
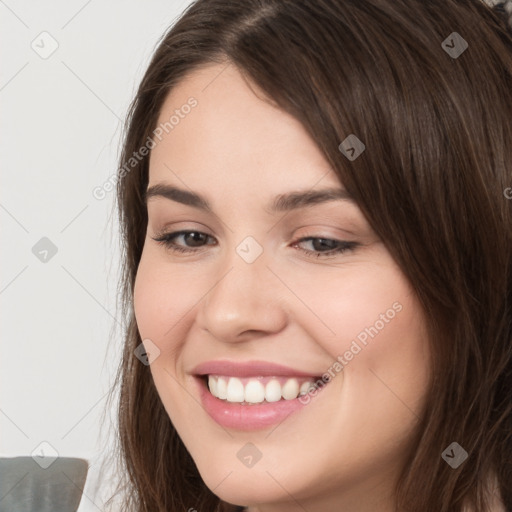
252	395
255	390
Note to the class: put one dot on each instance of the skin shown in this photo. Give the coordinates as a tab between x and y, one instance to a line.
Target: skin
343	451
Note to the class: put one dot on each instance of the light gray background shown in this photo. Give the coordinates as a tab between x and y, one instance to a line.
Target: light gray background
60	135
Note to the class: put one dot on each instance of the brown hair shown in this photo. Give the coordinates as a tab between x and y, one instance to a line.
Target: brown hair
437	130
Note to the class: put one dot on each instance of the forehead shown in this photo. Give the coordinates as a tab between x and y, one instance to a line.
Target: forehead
233	136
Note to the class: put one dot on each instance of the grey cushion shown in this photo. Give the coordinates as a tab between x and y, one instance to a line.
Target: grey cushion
26	487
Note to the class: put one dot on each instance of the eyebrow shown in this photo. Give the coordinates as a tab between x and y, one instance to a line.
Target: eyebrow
281	203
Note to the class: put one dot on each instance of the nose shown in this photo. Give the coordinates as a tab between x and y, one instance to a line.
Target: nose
246	300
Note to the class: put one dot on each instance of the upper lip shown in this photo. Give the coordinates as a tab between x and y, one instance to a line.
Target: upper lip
248	369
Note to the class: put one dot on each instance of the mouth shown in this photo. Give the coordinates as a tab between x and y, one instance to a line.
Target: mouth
258	389
254	395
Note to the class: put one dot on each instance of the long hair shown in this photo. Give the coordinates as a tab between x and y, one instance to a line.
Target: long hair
427	87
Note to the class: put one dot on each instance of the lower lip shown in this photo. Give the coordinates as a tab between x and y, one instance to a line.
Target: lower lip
247	417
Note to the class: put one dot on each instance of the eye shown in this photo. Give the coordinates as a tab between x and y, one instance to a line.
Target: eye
322	247
167	239
334	247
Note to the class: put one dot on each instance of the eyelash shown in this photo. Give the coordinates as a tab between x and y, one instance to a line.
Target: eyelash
166	240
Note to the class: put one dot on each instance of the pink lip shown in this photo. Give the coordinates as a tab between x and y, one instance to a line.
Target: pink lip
248	369
247	417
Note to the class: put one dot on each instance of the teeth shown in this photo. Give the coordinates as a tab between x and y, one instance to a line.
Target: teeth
235	391
304	388
273	391
212	386
255	391
221	388
290	389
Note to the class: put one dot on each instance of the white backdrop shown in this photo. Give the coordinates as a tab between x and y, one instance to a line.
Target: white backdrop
69	71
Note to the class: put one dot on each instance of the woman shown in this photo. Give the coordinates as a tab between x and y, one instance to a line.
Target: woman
317	259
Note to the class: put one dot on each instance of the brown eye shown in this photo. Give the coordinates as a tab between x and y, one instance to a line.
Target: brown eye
332	246
191	238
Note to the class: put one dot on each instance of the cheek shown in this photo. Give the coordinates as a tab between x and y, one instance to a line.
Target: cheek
162	298
356	305
373	324
147	301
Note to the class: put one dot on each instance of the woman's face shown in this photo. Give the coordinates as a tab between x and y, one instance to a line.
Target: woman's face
264	304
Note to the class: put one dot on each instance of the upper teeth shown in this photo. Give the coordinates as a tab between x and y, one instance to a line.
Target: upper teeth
255	390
